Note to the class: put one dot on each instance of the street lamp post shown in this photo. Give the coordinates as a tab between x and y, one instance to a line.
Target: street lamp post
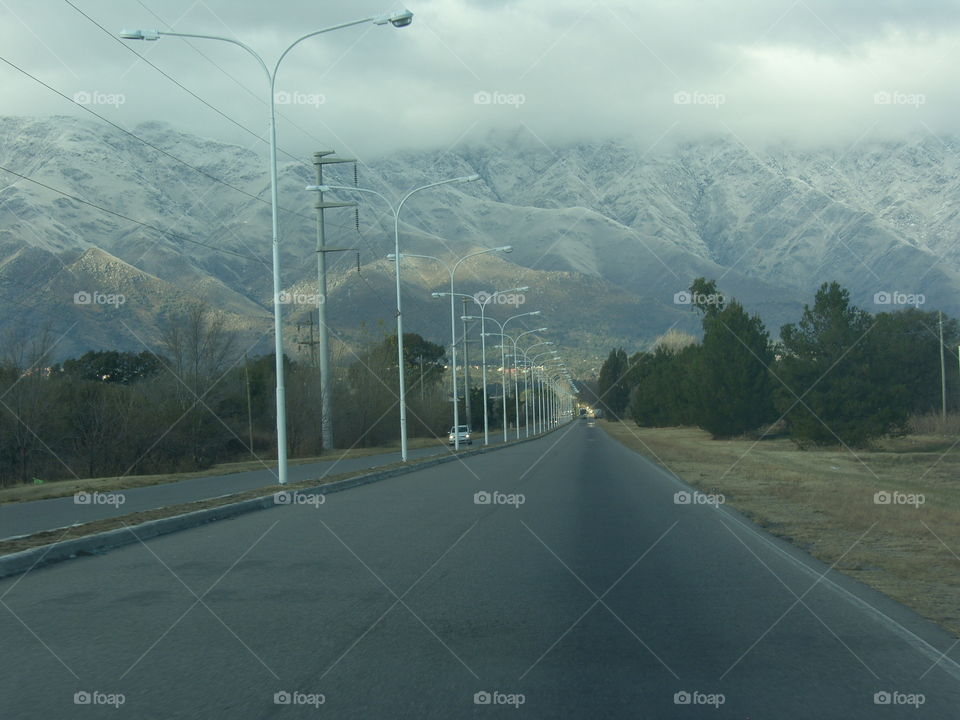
483	350
397	19
396	242
526	387
516	378
503	367
452	271
538	390
551	396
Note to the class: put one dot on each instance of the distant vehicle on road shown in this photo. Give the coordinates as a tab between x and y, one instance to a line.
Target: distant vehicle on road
463	431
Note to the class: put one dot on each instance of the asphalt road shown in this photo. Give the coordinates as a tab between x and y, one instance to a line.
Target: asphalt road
597	597
29	517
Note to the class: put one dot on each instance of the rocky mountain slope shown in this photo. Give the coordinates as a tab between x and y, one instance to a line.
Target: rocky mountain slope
604	234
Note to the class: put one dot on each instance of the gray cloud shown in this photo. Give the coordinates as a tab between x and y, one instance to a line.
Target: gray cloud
763	70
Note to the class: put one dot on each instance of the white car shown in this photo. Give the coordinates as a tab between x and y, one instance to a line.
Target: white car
463	431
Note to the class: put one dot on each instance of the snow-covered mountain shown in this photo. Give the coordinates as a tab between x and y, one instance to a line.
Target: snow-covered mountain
604	234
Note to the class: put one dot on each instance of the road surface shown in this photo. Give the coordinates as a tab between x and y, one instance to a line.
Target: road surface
29	517
581	590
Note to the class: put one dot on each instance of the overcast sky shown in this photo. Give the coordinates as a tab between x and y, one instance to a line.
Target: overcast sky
762	70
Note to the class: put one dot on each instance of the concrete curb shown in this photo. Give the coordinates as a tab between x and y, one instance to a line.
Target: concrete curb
98	543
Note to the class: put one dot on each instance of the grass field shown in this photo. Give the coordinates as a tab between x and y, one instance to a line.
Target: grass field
823	500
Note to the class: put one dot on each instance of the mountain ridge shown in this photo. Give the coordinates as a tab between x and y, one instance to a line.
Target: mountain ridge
604	220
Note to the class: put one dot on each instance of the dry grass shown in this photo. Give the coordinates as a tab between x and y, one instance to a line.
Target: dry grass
823	501
936	424
66	488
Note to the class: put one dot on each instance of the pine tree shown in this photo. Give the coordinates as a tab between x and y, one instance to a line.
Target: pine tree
735	392
613	383
837	386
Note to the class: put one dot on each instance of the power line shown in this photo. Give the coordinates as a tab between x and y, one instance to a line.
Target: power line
256	96
146	142
173	235
180	85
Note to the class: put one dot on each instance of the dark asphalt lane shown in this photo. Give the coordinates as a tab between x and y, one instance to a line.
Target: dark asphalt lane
597	597
30	517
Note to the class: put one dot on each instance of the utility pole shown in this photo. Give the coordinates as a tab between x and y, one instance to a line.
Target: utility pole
246	374
466	364
311	343
420	360
326	386
943	374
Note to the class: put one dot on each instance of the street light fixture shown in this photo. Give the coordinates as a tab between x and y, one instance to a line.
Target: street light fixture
400	18
526	387
539	391
483	350
516	378
503	364
452	271
396	241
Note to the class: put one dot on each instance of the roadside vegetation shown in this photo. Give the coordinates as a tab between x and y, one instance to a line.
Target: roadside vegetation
833	438
196	402
839	376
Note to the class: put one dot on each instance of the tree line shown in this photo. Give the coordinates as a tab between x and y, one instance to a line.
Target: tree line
840	375
195	401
